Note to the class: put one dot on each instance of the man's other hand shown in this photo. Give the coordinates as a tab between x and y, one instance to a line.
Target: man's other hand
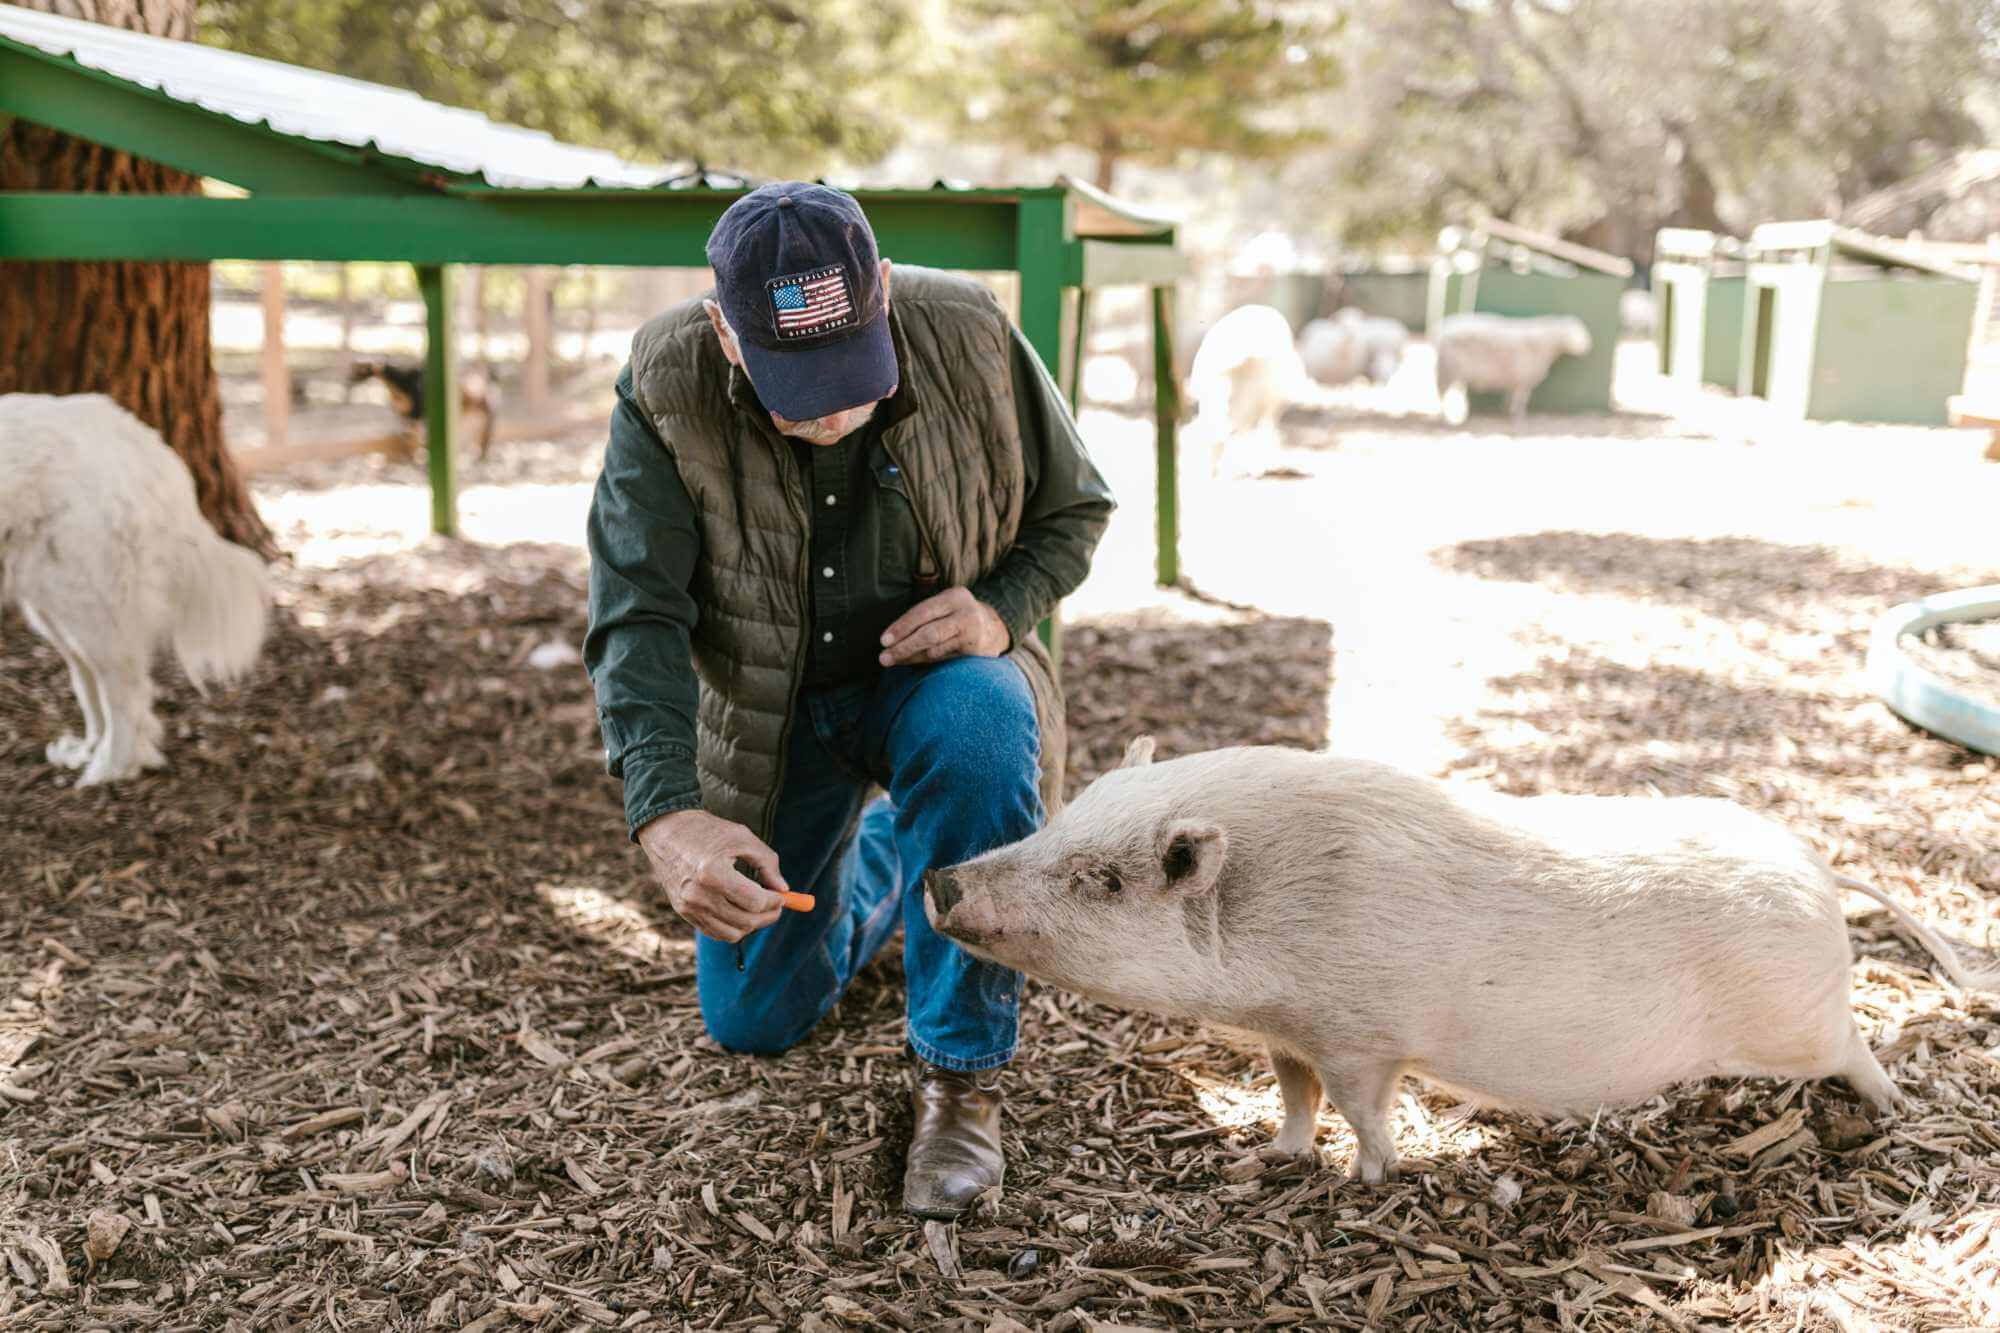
694	856
952	624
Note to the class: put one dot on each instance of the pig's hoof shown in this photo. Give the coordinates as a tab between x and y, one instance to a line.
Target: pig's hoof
1372	1171
1279	1157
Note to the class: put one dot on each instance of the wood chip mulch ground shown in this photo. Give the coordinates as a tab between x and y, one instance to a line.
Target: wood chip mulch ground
358	1016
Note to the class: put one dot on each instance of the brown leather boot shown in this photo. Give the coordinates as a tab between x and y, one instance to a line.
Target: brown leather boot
955	1147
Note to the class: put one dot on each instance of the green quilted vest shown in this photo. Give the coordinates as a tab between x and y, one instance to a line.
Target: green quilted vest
959	449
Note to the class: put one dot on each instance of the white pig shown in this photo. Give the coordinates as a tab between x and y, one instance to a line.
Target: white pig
1551	954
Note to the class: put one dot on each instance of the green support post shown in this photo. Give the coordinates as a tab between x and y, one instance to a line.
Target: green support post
1167	411
1041	244
1080	338
438	283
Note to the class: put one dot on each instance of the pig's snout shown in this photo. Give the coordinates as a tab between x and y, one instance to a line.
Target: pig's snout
942	886
970	921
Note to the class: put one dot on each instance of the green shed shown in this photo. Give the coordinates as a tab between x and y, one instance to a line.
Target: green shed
1698	287
1497	268
1839	325
1397	289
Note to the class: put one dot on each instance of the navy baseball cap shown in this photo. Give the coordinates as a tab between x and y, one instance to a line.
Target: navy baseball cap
798	279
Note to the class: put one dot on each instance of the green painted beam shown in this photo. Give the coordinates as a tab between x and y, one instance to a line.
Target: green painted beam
1042	256
438	284
107	110
1079	341
1166	416
638	227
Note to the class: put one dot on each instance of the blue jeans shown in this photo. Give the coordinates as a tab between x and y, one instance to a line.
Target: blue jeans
956	747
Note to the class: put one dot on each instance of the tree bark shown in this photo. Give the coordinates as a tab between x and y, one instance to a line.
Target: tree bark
138	332
1107	167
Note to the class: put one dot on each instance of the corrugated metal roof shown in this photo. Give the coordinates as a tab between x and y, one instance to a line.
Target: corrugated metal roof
329	108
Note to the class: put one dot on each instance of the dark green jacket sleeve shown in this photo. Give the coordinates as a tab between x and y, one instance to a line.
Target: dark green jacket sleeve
1067	505
643	546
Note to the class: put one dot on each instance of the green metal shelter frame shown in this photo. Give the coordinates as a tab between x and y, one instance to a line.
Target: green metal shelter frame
308	198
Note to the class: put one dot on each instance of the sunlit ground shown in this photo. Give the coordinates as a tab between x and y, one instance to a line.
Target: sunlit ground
1371	491
613	922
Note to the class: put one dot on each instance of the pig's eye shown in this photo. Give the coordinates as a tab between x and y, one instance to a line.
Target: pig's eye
1112	884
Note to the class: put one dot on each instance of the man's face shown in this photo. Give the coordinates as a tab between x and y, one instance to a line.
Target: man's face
829	429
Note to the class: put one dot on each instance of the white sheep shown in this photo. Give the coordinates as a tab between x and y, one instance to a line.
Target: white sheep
1499	354
1352	345
1638	312
1245	373
103	549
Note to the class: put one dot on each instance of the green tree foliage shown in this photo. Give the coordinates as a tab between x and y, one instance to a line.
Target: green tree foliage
1607	119
1151	80
766	86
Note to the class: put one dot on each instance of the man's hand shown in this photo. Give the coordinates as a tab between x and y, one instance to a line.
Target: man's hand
952	624
694	857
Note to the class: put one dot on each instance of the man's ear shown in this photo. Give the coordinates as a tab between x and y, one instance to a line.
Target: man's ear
1193	855
723	333
1139	753
885	284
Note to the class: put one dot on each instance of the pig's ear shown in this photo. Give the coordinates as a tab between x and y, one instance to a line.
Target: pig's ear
1139	753
1193	856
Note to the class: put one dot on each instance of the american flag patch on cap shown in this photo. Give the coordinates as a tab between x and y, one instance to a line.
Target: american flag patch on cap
809	304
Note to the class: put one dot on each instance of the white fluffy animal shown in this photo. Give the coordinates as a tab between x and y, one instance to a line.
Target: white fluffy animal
1350	346
1550	953
1245	373
104	551
1499	354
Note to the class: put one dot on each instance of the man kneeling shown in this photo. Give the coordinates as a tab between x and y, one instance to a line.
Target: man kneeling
826	529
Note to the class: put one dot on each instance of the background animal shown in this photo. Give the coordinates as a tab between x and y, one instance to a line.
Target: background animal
1350	346
1245	372
405	384
1552	954
103	549
1498	354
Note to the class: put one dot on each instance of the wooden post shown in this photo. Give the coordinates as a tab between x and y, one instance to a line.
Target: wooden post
535	323
1166	417
480	348
343	362
436	281
277	383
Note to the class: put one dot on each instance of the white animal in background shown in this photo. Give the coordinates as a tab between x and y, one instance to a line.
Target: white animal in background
1245	373
1498	354
104	551
1638	312
1350	346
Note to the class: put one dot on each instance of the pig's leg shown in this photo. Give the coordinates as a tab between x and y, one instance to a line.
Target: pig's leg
1363	1093
1300	1087
1865	1075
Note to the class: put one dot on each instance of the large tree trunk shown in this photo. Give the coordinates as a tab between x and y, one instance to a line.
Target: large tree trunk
138	332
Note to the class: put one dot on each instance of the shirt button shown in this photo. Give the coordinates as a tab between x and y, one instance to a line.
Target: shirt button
828	571
829	499
827	637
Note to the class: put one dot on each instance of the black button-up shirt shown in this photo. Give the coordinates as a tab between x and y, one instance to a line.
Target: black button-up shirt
859	586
